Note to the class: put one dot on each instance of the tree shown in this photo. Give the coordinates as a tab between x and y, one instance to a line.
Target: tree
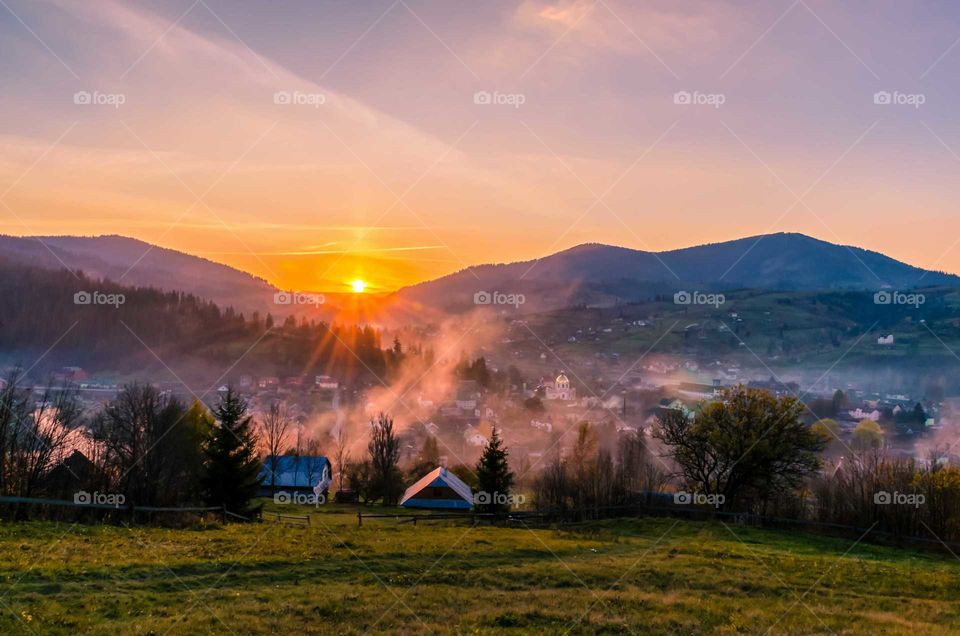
150	449
384	451
867	435
232	465
341	454
493	475
639	473
428	459
748	446
360	480
273	431
35	433
829	429
839	401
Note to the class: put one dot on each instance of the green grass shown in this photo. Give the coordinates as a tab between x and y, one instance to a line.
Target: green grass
646	576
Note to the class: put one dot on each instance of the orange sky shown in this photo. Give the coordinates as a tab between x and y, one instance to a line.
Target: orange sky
313	145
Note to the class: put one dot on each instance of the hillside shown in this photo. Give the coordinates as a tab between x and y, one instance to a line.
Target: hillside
644	576
145	333
141	264
601	274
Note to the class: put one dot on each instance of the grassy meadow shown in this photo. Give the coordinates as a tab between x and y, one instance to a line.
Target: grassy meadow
642	576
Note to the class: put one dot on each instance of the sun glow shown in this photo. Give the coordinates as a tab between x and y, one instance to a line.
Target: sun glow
358	286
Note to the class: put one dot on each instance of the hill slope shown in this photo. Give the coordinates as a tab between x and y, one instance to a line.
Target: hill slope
598	274
141	264
642	576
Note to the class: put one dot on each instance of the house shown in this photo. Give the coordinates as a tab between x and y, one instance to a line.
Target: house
885	339
473	437
69	374
559	389
468	393
699	391
860	414
269	382
325	382
438	489
309	474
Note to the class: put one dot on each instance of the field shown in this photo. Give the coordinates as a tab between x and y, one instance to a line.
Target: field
645	576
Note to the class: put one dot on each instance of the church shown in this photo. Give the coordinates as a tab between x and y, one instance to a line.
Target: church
558	389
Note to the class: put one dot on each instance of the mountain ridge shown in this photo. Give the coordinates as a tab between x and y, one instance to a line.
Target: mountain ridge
589	273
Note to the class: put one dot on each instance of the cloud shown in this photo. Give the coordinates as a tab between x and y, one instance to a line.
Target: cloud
627	27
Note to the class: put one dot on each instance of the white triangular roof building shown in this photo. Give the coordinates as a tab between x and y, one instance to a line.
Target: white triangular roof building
446	477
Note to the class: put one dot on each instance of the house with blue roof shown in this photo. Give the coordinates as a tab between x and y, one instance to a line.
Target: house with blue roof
439	489
308	474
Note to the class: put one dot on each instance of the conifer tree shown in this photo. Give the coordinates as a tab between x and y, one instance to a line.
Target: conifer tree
494	477
232	472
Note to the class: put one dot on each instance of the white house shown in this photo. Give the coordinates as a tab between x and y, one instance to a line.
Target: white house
885	340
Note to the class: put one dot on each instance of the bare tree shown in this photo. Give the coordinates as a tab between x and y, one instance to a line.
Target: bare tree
35	433
341	454
274	430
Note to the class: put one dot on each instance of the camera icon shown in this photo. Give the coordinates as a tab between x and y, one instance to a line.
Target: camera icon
82	97
682	298
482	298
282	298
282	97
282	497
882	298
482	498
882	497
81	497
482	98
82	298
882	98
682	498
682	97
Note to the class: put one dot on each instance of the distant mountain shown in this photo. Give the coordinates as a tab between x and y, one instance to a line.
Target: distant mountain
603	274
136	263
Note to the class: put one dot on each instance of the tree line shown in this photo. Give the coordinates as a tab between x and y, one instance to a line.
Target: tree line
144	448
750	452
176	326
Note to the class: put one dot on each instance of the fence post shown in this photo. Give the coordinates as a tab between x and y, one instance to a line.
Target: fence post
359	518
223	513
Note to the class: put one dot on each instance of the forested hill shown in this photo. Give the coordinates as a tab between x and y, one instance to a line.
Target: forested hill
63	318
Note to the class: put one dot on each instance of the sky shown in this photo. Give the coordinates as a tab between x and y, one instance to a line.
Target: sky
312	143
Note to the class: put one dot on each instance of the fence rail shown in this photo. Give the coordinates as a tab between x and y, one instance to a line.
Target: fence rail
304	519
131	509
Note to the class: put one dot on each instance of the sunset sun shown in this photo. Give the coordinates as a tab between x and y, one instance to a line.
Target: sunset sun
358	286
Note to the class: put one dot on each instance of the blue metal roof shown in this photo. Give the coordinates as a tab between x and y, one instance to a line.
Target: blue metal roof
292	471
